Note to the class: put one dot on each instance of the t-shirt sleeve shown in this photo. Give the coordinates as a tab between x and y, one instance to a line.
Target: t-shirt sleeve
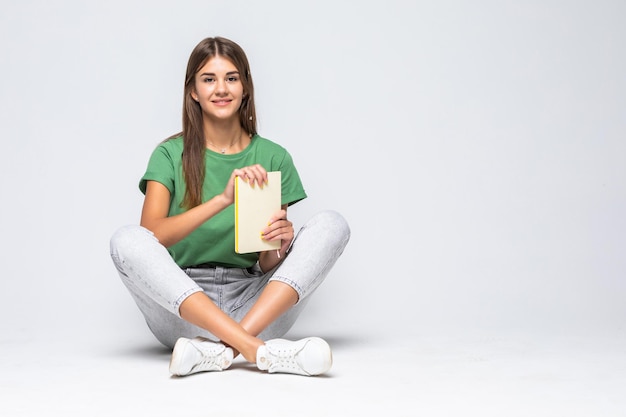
292	188
160	168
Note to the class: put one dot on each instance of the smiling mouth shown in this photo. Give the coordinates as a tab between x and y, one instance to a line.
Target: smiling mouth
221	102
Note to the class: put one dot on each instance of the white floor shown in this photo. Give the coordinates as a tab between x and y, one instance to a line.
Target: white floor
471	375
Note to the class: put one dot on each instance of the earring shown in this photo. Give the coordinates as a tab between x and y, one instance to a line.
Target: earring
250	117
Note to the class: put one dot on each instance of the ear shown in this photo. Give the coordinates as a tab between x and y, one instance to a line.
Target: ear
194	95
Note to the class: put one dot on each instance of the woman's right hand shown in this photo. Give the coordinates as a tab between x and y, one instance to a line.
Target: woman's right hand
254	175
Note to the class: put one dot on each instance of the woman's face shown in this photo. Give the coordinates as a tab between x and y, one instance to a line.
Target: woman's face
218	89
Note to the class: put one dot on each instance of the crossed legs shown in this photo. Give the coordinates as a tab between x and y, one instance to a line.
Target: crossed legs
276	298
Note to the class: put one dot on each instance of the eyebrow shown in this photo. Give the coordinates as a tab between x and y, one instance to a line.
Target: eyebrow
212	73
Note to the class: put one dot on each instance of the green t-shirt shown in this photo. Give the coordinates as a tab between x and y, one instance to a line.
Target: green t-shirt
214	240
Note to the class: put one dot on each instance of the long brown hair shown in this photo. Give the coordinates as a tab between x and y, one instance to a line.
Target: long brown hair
194	144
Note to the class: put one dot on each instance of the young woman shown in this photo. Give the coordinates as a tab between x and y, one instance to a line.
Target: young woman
199	296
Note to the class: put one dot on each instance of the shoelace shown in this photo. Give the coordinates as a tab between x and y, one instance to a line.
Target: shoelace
209	359
283	358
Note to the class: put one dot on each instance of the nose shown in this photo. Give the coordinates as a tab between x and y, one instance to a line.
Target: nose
220	86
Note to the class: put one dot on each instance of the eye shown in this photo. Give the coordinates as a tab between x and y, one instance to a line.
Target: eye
232	79
208	79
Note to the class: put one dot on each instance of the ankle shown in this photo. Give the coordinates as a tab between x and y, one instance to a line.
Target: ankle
250	353
248	349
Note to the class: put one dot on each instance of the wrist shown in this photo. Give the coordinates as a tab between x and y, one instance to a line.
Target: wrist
222	201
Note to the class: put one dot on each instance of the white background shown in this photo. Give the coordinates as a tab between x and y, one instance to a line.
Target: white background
476	148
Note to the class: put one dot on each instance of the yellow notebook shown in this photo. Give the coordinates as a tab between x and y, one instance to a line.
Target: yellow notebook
253	209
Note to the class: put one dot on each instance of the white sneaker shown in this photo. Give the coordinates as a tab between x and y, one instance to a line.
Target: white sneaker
309	356
199	355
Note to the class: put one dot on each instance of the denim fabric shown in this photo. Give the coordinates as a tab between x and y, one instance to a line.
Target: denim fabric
159	286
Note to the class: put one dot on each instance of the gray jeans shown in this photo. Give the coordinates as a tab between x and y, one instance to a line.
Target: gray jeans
159	286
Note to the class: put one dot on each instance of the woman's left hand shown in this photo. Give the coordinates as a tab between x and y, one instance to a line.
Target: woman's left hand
279	228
